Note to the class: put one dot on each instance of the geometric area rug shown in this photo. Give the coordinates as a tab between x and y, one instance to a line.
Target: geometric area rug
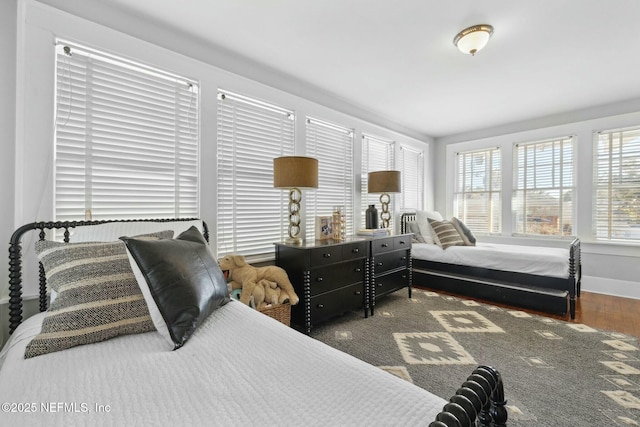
555	373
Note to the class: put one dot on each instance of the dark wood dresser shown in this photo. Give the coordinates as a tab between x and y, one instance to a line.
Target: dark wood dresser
330	278
390	260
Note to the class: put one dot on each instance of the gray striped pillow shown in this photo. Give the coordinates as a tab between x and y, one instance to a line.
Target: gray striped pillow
98	297
447	233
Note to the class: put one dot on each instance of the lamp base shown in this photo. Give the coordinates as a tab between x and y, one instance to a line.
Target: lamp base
385	215
293	241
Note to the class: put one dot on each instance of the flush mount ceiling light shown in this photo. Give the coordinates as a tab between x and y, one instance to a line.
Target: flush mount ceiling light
472	39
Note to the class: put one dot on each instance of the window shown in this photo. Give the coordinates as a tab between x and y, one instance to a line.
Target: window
126	139
477	197
251	213
412	167
544	187
377	155
617	185
332	145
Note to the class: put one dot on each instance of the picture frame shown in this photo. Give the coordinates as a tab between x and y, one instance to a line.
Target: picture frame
324	227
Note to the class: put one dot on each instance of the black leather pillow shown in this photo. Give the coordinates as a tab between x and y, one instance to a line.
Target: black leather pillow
182	281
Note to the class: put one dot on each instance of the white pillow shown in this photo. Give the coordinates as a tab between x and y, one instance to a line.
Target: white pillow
422	218
110	231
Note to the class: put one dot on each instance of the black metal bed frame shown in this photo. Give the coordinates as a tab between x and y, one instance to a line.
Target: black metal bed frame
543	293
479	402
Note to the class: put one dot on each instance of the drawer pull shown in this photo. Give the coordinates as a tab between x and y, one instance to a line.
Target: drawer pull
320	306
380	264
357	293
385	245
380	285
402	242
358	270
319	279
404	258
327	255
355	250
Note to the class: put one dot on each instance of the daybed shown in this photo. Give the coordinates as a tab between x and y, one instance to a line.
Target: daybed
538	278
239	367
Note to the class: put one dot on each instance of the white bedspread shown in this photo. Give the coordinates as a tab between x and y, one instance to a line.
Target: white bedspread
543	261
239	368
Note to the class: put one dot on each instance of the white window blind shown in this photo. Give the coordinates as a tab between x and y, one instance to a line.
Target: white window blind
544	187
377	155
126	139
332	145
617	185
412	167
478	197
252	215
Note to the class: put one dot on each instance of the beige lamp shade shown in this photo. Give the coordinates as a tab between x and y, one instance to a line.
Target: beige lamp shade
295	172
384	182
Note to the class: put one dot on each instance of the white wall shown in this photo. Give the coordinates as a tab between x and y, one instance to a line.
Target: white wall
607	267
8	19
30	186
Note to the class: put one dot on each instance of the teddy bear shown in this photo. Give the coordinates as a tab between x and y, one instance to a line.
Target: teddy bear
271	291
246	277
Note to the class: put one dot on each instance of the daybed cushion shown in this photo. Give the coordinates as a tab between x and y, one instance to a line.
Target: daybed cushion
447	233
97	296
180	280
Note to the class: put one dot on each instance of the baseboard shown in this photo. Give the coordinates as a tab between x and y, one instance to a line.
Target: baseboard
618	288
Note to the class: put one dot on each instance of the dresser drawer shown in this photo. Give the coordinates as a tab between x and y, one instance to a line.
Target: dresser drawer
391	282
335	276
402	242
354	250
390	261
381	245
326	255
330	304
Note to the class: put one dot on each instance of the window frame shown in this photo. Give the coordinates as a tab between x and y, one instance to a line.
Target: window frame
612	232
557	176
492	187
335	173
251	214
117	154
385	151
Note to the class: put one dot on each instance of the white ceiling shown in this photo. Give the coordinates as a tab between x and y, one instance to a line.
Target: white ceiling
396	59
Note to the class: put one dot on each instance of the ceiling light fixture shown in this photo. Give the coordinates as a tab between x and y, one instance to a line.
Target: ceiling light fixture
472	39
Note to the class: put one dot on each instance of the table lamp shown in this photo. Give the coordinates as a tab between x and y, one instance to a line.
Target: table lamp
294	173
384	182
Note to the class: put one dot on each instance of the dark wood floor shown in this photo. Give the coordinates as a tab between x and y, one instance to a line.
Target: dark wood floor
602	311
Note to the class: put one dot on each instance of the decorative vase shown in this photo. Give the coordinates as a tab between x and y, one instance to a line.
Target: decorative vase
371	217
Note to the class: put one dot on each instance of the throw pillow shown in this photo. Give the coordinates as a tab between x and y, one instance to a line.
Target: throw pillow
467	236
447	233
412	227
97	295
181	282
422	218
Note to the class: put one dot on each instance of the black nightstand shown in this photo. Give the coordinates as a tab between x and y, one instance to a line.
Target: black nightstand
390	258
330	277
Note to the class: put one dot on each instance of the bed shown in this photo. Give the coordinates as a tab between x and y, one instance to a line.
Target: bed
239	367
540	278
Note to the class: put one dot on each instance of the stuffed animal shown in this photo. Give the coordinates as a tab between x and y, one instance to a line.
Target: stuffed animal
271	291
247	277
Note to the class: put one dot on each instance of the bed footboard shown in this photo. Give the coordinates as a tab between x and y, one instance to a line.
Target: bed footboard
480	397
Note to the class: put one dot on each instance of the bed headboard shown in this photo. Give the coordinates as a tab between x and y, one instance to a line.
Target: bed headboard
404	219
15	257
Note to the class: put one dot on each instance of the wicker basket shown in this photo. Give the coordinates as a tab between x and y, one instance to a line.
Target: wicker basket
280	312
